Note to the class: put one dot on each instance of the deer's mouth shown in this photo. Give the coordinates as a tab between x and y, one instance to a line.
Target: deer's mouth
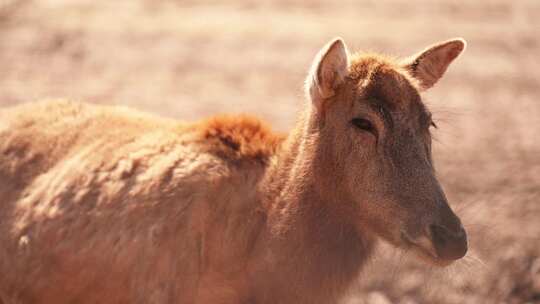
424	249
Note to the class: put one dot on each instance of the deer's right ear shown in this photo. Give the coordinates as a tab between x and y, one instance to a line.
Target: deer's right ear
327	72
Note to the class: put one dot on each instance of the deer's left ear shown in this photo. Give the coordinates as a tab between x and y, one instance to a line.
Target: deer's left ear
430	65
328	71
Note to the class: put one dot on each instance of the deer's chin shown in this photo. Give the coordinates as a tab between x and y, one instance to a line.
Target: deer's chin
424	250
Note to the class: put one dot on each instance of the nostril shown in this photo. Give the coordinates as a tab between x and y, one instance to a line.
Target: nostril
449	244
439	234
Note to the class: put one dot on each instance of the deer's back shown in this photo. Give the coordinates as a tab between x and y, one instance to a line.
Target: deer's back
107	203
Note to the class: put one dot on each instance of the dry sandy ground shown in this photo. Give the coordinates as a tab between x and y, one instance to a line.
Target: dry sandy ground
189	59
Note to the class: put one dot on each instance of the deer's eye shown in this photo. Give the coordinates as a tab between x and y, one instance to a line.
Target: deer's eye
364	125
432	124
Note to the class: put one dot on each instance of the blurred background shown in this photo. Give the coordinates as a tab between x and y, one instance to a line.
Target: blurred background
191	59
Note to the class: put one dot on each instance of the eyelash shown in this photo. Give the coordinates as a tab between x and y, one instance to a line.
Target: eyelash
364	125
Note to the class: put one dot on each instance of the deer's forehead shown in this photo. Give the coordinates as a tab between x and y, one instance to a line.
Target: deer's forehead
383	80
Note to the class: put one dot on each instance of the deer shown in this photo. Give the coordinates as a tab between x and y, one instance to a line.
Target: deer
105	204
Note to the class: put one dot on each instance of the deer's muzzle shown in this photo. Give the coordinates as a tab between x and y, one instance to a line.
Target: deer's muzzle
450	244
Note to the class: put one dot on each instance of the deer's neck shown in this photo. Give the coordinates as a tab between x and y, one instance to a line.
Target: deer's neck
306	230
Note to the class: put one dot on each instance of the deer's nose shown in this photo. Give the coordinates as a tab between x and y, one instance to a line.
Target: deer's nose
449	244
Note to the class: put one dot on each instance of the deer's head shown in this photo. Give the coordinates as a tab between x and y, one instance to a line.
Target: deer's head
374	145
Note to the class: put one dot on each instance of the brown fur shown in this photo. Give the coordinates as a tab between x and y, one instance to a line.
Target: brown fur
239	137
108	205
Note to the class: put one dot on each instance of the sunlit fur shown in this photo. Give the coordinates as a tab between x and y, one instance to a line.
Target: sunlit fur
108	205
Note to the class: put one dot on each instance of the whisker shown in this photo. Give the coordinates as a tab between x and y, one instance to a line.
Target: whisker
473	258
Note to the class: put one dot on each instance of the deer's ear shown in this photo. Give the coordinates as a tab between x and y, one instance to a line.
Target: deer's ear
327	72
430	65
